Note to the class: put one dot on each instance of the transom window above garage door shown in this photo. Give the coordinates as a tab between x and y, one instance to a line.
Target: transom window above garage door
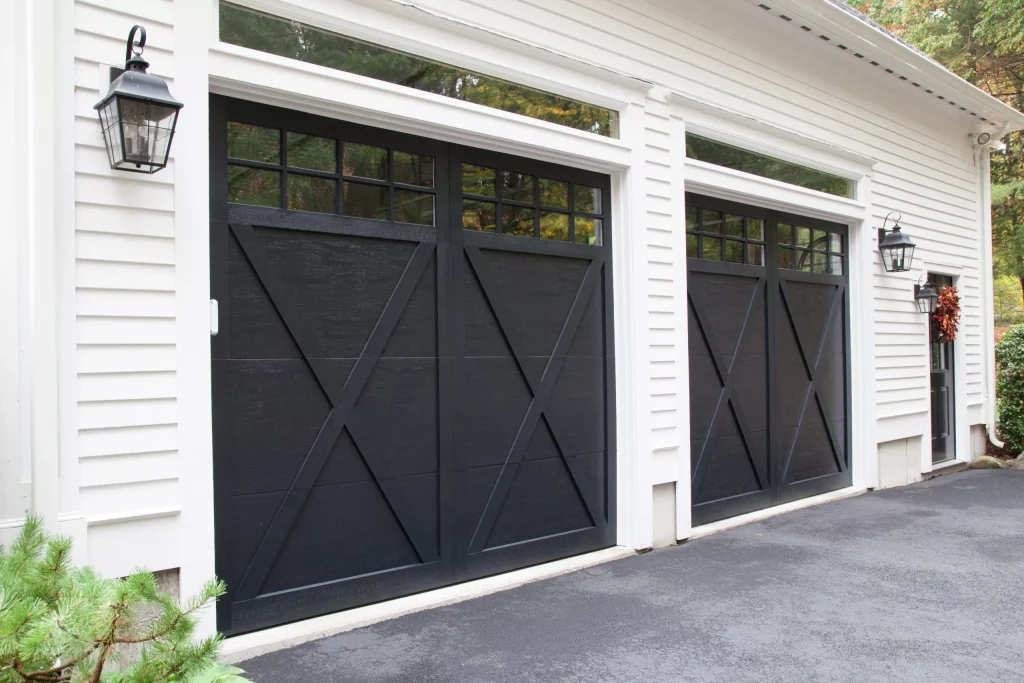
738	159
294	40
510	202
284	169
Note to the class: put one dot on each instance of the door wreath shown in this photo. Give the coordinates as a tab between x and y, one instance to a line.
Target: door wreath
946	318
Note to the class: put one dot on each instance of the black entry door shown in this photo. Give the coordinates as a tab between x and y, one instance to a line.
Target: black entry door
768	321
412	383
942	393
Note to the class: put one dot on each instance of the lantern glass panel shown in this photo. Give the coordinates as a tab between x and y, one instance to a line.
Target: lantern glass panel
146	129
111	132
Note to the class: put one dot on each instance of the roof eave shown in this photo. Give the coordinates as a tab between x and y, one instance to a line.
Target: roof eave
1000	114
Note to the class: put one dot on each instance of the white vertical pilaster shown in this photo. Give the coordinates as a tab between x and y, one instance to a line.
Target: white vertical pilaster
194	33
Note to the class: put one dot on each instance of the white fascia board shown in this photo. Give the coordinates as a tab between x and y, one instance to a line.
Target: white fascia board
250	74
726	183
408	28
745	131
912	64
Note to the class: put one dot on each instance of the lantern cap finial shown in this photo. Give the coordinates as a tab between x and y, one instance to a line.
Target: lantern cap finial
133	60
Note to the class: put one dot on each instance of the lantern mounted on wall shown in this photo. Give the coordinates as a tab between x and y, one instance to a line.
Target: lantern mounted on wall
138	114
896	248
926	297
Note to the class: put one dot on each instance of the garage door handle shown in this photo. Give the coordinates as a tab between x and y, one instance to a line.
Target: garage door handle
214	318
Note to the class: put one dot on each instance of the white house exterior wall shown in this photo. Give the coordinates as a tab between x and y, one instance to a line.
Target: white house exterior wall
134	379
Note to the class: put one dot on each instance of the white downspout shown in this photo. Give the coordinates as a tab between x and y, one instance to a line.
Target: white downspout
987	292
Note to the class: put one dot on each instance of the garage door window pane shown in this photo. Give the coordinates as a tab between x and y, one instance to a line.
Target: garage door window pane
691	218
308	151
712	248
414	207
755	229
835	242
254	186
254	143
835	265
478	180
365	161
306	193
819	240
516	220
820	262
554	193
478	216
413	169
803	237
586	199
588	230
516	187
803	260
554	226
366	201
785	233
711	221
785	257
734	225
733	251
755	254
691	246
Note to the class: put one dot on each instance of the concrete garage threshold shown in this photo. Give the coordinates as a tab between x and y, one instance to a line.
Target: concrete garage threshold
917	583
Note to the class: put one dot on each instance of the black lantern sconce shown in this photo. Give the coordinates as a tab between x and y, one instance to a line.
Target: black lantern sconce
926	297
138	114
896	248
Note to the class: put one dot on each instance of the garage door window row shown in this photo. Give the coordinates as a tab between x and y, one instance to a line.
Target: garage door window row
284	169
811	250
513	203
719	236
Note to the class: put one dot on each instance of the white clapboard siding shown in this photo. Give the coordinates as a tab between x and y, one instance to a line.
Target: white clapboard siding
927	172
125	305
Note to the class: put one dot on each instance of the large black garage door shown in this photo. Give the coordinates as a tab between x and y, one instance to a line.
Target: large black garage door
412	383
768	339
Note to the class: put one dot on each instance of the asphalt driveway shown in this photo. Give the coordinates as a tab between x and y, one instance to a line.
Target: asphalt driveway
922	583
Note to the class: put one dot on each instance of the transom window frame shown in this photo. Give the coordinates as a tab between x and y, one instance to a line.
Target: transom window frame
491	70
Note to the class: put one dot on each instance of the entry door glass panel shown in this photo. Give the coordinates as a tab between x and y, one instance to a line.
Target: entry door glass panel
942	387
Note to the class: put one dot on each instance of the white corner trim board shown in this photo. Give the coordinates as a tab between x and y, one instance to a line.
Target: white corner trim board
250	645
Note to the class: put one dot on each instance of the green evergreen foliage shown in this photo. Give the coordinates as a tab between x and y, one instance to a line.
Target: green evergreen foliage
1010	387
63	623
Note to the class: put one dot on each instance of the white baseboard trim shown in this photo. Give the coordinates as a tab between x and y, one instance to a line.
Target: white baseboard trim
249	645
758	515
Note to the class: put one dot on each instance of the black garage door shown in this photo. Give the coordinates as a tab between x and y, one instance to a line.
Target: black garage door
768	340
412	383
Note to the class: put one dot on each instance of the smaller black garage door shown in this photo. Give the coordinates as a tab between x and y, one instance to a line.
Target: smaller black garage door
768	339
